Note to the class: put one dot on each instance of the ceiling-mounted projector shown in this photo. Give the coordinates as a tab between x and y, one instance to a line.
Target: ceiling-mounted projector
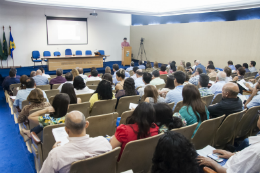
94	14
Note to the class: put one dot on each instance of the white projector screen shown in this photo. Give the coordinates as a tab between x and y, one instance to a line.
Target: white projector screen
62	30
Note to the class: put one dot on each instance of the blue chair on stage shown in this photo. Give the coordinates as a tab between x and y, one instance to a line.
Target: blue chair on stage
36	57
88	52
57	53
68	52
46	53
102	52
78	52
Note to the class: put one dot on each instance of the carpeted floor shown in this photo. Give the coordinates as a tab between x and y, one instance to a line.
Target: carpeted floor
14	156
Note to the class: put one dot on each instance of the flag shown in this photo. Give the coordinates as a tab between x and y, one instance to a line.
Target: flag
1	51
11	45
5	51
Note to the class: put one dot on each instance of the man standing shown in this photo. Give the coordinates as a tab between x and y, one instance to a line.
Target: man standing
39	79
125	43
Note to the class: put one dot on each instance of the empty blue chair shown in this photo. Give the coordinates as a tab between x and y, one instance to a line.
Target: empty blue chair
78	52
68	52
57	53
46	53
36	57
102	52
88	52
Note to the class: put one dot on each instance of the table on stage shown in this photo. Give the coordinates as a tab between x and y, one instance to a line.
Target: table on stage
69	61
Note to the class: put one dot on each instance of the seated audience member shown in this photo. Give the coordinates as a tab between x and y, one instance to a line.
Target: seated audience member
59	79
54	114
68	88
194	109
252	66
151	95
230	65
128	89
94	76
193	67
115	69
187	78
37	101
188	66
138	126
33	73
69	79
23	94
155	66
175	95
23	79
93	68
182	63
216	88
237	66
134	75
168	86
228	72
108	70
173	67
11	80
199	65
39	79
229	104
156	80
147	77
244	161
195	77
148	65
174	148
81	71
131	67
13	71
212	72
75	73
43	73
163	69
181	68
240	74
245	66
169	64
139	79
120	77
108	77
103	92
141	66
79	147
203	85
164	119
211	63
80	86
254	99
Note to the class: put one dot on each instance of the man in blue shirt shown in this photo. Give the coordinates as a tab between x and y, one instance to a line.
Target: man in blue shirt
175	95
8	77
39	79
254	99
131	67
252	67
195	77
11	80
245	66
230	65
115	69
141	66
199	65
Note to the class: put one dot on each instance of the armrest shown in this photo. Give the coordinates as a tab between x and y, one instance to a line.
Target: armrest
208	170
35	138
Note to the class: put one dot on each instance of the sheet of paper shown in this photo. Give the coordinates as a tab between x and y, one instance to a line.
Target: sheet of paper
242	97
132	106
205	151
60	135
91	91
13	97
211	82
129	171
242	84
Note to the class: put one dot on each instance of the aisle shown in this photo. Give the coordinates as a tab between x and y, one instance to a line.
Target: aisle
14	156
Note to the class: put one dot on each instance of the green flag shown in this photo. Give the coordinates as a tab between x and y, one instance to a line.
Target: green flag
1	51
5	50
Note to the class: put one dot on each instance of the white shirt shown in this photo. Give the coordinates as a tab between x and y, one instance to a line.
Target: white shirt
216	88
129	69
60	87
85	90
228	79
141	90
193	67
157	81
92	78
84	77
134	77
46	75
139	82
60	158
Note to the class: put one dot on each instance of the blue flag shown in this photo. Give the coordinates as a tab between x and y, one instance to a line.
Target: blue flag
11	45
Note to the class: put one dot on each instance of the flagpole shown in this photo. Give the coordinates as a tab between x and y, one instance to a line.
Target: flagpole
2	57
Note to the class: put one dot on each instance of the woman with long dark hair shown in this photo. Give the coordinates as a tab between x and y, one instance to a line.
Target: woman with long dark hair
128	89
80	86
168	86
174	154
138	126
151	95
194	109
68	88
173	67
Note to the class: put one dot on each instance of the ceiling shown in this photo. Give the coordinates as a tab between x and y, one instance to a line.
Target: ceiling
148	7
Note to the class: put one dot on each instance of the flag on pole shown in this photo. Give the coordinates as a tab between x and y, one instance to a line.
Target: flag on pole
5	51
11	45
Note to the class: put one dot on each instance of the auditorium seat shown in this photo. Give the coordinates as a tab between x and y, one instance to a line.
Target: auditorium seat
208	170
84	97
217	98
161	86
101	125
207	99
164	77
102	163
253	74
55	86
171	105
24	103
94	82
51	93
137	155
13	86
36	57
124	102
82	107
88	52
178	106
68	52
103	107
102	52
93	87
124	116
57	53
186	131
51	99
247	74
212	79
43	87
206	132
46	53
87	74
225	133
78	52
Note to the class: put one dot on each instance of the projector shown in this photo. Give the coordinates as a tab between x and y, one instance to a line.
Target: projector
93	14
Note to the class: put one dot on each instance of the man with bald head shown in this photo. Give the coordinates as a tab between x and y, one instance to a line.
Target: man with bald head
254	99
79	147
39	79
84	77
216	88
229	104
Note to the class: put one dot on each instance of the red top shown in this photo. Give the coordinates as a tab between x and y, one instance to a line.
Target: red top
90	75
125	44
163	72
127	133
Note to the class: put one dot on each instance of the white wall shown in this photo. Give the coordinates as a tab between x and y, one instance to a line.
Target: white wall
28	24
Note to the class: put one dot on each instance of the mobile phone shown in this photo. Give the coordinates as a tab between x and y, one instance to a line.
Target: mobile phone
215	157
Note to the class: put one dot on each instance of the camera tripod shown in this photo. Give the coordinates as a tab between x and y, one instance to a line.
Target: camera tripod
142	50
